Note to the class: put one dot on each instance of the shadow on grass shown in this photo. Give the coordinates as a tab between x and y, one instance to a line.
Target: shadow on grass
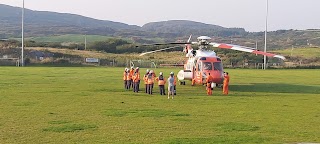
143	113
69	128
275	88
236	139
232	126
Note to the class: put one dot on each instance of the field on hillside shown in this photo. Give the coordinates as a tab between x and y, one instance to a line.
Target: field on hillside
77	38
301	52
90	105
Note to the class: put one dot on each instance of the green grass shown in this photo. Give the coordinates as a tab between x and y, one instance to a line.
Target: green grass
89	105
301	52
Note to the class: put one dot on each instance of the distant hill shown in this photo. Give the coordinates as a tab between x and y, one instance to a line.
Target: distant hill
48	24
42	23
185	27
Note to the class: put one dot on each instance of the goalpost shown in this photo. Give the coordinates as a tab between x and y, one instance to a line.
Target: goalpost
9	62
143	64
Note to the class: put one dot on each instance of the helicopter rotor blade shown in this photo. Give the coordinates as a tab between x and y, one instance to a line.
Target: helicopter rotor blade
172	43
142	54
245	49
189	39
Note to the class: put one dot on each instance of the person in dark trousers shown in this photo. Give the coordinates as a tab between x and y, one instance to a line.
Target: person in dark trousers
175	85
136	79
129	80
138	84
161	82
150	83
131	72
145	79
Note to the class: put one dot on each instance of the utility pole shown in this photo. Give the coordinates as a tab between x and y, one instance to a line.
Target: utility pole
22	34
265	37
256	46
85	42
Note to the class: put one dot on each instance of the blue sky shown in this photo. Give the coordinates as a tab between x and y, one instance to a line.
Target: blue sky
248	14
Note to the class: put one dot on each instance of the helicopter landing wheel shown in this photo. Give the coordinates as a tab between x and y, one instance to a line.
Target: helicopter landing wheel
182	83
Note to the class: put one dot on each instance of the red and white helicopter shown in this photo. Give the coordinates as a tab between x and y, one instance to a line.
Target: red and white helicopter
203	61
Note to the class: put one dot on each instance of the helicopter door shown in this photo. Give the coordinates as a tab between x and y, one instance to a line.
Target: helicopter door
199	72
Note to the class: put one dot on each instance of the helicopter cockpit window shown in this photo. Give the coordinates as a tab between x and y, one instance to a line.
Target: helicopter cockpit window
217	66
207	66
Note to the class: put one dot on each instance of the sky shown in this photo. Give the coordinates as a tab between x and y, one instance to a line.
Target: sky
248	14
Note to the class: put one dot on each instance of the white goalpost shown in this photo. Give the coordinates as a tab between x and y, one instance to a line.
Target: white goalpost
10	62
143	64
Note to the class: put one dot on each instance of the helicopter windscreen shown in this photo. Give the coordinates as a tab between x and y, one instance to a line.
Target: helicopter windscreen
217	66
207	65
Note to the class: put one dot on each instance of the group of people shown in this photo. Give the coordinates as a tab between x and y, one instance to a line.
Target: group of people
131	79
225	87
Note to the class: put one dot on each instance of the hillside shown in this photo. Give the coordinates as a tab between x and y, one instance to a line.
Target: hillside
185	27
45	23
61	27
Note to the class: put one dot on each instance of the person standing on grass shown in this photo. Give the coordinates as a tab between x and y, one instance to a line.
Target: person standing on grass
161	82
145	79
174	85
125	78
171	85
131	74
136	79
226	83
154	76
129	80
209	81
138	84
150	79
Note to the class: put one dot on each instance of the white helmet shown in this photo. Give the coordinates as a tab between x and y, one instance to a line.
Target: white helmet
171	73
151	71
148	70
125	69
161	73
137	67
132	67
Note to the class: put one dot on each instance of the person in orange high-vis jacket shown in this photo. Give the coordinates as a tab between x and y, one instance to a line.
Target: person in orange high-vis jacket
129	79
209	81
150	82
161	82
145	79
154	76
131	73
136	79
226	83
125	78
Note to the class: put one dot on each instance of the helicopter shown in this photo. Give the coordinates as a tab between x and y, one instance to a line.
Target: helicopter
201	62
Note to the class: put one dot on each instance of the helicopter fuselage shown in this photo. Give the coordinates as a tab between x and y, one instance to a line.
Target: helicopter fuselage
198	67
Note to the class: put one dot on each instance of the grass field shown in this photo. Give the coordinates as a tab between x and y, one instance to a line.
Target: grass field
90	105
77	38
301	52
